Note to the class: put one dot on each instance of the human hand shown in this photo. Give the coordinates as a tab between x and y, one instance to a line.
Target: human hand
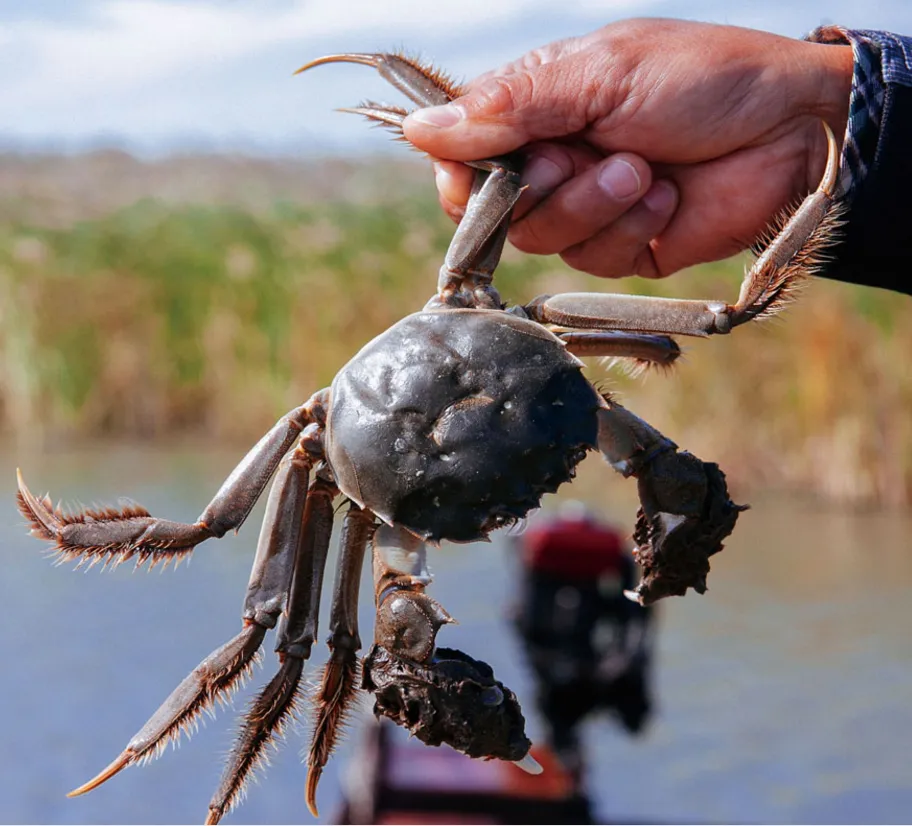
651	145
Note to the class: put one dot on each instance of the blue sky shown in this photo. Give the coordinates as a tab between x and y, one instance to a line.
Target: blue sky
154	75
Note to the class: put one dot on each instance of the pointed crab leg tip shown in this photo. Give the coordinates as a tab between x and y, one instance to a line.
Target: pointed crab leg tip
23	488
310	790
529	764
364	59
633	596
831	174
213	817
121	762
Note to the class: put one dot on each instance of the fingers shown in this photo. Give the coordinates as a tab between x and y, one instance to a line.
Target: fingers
625	247
581	207
454	182
602	220
547	166
599	214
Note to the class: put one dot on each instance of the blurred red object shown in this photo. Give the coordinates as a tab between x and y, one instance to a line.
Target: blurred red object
572	545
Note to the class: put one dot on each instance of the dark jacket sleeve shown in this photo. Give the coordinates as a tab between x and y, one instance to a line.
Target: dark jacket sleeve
876	249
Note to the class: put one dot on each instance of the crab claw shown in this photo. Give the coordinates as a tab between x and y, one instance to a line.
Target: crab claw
685	510
686	513
452	699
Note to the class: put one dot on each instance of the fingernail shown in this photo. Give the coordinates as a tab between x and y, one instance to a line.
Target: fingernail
440	117
543	175
442	178
619	179
661	197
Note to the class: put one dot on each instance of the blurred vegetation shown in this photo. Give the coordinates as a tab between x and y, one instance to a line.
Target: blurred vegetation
207	296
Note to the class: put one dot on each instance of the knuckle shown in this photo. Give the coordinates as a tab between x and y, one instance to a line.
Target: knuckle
536	57
541	102
501	95
527	236
664	263
597	259
562	157
644	264
580	257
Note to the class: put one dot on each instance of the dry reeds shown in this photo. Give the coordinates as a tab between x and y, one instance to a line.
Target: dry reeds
152	313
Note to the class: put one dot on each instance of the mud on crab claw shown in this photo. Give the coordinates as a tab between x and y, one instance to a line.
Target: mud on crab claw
451	424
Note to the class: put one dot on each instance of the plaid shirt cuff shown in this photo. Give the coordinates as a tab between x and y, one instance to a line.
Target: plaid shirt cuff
876	164
865	103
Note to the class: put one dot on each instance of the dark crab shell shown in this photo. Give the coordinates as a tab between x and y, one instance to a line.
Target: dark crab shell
455	422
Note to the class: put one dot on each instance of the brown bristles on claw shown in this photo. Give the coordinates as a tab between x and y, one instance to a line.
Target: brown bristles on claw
808	261
213	680
794	247
265	721
444	81
381	114
333	704
108	535
635	368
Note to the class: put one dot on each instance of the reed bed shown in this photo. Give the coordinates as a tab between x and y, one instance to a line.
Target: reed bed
206	296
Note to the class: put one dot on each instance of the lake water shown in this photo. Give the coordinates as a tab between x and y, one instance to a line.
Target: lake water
784	694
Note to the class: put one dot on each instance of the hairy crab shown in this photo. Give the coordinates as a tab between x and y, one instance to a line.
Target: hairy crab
449	425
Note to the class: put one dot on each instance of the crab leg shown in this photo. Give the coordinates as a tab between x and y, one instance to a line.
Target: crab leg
340	676
422	84
477	245
112	535
795	252
277	700
215	677
299	626
407	618
440	695
645	348
685	511
626	441
478	242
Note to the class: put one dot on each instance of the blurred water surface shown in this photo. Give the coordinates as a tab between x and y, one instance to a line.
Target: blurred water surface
783	693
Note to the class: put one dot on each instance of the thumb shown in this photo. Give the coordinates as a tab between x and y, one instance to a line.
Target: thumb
501	114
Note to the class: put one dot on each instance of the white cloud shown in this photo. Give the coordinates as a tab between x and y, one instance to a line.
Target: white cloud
77	71
126	42
148	70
